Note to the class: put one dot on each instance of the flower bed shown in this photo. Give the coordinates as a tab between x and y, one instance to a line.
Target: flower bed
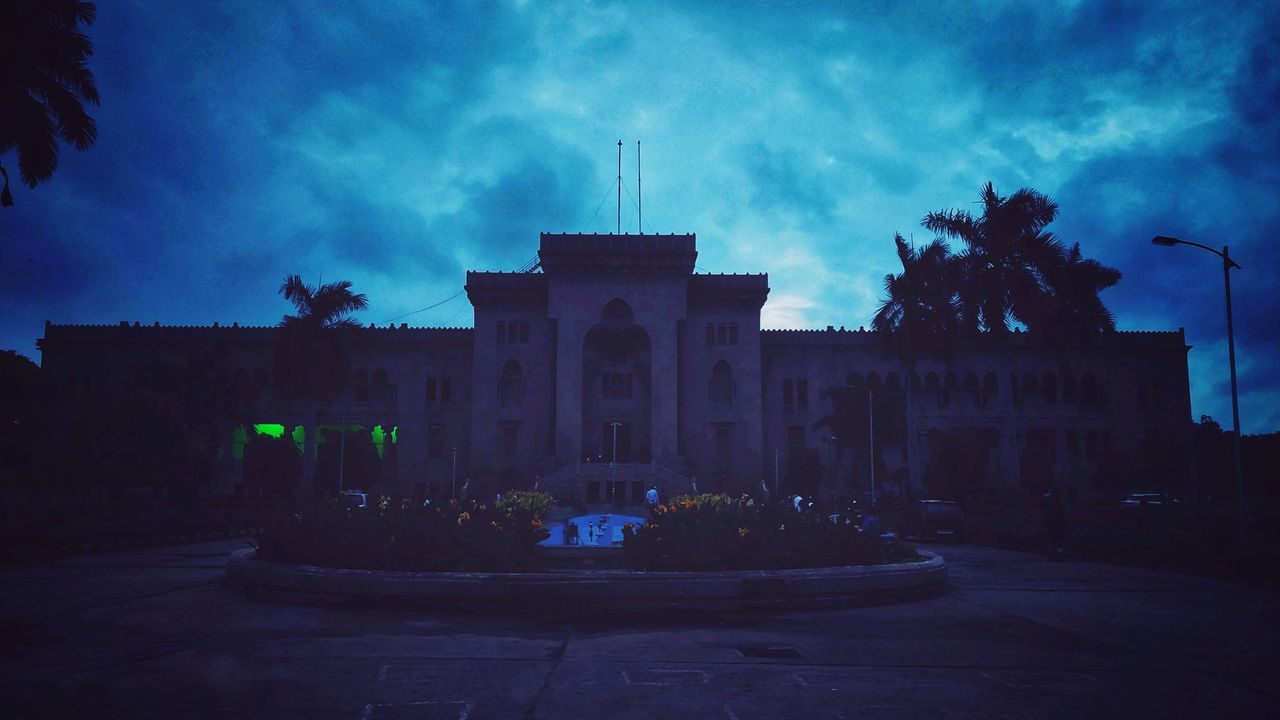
717	532
471	536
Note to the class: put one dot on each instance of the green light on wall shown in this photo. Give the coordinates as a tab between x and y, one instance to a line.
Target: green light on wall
269	429
238	438
299	437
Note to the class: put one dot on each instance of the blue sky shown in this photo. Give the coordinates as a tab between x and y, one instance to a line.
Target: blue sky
397	145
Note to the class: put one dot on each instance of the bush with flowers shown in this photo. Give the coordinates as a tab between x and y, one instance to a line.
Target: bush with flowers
719	532
471	536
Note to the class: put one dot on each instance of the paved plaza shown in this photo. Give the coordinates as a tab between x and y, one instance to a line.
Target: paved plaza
155	633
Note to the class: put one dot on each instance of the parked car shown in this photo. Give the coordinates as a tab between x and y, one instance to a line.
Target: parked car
936	520
1144	499
354	499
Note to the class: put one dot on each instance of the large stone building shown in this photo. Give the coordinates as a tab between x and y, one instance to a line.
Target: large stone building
614	344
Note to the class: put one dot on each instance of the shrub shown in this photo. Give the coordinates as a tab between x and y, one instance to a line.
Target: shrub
717	532
470	536
528	502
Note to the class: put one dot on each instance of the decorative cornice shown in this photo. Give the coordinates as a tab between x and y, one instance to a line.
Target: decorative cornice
626	254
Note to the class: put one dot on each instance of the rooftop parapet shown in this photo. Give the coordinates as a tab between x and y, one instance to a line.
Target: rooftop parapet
626	254
710	291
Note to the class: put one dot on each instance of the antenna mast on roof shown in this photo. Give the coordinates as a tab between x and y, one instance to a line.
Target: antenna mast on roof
639	194
619	187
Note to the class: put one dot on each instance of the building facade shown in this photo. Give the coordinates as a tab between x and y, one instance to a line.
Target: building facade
613	366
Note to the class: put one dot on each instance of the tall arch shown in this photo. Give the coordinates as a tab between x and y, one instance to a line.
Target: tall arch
511	384
722	387
616	357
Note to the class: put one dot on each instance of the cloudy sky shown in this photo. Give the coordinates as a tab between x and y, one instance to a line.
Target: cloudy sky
397	145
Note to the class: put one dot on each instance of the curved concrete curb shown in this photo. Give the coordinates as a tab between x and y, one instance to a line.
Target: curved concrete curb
614	589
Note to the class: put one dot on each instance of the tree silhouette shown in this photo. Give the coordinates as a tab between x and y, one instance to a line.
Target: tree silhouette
1073	308
44	83
1006	253
311	358
920	308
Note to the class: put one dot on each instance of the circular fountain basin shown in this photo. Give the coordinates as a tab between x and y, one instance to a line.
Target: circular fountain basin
591	530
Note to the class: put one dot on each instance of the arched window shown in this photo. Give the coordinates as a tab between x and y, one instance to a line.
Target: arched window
1029	386
892	381
1090	393
380	378
990	388
933	388
873	381
1068	388
1049	389
949	387
972	389
853	380
722	388
242	387
511	385
361	382
617	312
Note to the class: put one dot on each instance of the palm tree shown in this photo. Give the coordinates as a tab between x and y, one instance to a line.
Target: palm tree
44	83
1006	252
1074	308
920	311
311	358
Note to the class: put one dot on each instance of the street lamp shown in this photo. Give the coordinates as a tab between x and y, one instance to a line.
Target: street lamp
1227	264
831	462
613	462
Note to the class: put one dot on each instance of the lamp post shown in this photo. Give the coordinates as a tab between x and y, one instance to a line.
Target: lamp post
871	443
1227	264
453	492
613	462
831	461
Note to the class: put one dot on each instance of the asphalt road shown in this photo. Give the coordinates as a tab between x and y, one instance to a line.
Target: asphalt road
155	633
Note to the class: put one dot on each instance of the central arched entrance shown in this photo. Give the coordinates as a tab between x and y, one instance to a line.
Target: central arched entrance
616	395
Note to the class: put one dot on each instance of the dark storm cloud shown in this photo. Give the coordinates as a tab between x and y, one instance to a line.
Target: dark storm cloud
396	145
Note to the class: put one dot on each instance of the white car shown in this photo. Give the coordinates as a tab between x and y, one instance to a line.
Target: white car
354	499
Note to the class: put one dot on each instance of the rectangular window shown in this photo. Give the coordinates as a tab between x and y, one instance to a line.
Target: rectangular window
446	390
509	440
513	333
802	393
435	440
524	333
721	331
502	332
788	398
795	439
711	334
733	334
431	389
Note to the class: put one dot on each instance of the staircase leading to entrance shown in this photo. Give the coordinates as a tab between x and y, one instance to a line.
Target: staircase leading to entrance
624	483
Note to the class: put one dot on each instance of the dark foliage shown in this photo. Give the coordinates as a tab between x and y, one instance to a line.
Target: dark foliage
403	535
717	532
45	82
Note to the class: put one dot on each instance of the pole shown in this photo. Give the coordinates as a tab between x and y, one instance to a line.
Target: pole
775	473
1235	401
342	451
613	464
453	492
871	442
619	187
639	195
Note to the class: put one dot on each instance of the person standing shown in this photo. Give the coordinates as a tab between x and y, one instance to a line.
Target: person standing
651	496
